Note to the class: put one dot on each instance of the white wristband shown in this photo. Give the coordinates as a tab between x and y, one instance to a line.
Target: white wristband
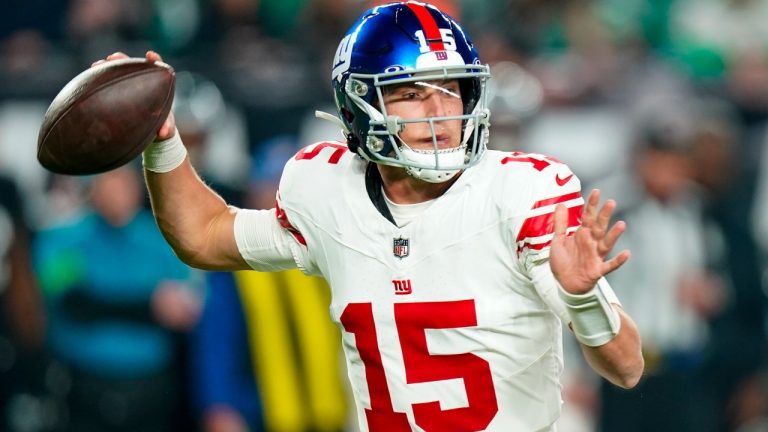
593	319
164	156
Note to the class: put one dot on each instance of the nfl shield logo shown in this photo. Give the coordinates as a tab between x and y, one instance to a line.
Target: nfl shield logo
441	55
400	247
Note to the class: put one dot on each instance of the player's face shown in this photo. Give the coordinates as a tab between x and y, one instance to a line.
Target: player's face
427	99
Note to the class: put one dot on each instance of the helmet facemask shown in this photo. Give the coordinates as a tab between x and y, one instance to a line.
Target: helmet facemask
382	138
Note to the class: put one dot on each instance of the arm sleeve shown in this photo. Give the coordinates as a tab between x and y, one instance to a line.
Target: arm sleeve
265	244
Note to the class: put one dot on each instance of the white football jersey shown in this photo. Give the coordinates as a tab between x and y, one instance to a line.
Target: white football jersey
443	328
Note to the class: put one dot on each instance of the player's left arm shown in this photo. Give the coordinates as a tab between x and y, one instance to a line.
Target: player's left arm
608	336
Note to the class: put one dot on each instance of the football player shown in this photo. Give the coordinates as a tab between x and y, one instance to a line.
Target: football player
451	266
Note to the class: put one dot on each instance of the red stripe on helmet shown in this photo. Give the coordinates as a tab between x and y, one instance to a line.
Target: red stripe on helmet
431	31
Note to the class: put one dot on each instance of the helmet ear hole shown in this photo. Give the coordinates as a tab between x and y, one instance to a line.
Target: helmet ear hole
349	116
353	143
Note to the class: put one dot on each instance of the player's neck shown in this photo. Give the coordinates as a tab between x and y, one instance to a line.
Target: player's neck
404	189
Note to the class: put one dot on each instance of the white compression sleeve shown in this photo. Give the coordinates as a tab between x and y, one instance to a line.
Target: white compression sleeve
262	242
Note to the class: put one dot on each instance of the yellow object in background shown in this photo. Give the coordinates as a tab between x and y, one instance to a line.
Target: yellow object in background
295	349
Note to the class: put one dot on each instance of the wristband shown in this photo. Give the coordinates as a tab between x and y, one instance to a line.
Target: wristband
164	156
593	319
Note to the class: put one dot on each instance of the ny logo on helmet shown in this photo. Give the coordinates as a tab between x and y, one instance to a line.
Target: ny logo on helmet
343	56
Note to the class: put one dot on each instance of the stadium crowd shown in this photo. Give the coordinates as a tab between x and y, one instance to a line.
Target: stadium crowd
663	104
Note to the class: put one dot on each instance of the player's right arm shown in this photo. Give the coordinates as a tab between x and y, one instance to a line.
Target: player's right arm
202	229
207	233
194	219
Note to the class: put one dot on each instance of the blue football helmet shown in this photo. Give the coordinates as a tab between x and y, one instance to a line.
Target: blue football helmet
409	43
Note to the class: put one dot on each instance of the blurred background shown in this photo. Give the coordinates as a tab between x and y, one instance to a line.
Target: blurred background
663	104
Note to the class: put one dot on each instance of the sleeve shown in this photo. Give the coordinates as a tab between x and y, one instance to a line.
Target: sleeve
265	244
554	185
271	240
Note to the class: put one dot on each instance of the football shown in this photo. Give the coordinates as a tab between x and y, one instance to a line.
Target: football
104	117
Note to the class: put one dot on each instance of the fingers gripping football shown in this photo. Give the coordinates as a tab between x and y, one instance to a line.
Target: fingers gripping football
107	115
168	128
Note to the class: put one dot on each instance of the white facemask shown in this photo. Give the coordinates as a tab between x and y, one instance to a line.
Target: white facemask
446	158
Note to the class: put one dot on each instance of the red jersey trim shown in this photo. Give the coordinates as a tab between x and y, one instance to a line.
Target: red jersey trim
282	219
339	151
541	225
557	200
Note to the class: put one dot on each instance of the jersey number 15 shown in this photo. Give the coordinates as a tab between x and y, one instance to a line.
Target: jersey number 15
412	319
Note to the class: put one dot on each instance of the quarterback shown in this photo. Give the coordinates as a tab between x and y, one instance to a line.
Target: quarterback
452	267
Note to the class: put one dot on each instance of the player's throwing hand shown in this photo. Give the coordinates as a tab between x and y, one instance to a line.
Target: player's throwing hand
168	128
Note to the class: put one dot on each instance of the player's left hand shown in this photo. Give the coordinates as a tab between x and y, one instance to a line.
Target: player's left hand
579	260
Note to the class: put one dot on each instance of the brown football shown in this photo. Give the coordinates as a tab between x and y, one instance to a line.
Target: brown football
105	116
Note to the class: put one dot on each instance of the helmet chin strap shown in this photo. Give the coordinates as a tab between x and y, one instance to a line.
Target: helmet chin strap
333	119
451	157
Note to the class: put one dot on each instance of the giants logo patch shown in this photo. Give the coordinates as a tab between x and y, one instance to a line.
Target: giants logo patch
400	247
402	286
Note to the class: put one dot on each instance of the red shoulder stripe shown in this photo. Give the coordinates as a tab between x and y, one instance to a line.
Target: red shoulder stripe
557	199
537	226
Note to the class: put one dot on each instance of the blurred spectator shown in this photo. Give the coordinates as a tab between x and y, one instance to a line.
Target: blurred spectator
116	294
671	288
515	97
258	368
265	356
98	27
214	133
322	22
23	393
41	16
19	123
568	77
28	31
759	221
593	68
748	410
738	334
722	45
257	56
